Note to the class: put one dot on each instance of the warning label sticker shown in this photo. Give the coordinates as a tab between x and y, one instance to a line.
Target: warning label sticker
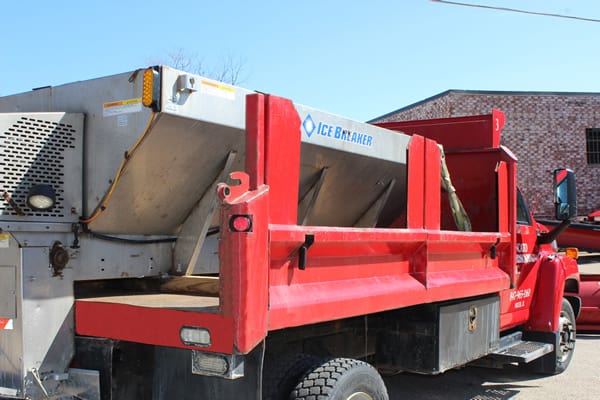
217	89
121	107
6	323
4	240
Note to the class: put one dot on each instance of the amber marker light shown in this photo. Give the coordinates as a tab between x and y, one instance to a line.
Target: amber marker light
572	252
151	89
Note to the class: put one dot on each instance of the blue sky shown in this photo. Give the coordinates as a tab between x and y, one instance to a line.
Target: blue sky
359	59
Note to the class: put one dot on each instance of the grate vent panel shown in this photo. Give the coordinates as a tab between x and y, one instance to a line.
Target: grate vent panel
32	151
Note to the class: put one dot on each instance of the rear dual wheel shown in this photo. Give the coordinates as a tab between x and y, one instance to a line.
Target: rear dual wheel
341	379
283	373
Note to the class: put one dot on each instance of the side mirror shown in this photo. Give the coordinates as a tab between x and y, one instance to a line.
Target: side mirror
565	195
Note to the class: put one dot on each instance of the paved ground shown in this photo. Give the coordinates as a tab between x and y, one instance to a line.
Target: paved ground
581	381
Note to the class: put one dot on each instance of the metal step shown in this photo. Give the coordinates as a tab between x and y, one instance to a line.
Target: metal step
523	351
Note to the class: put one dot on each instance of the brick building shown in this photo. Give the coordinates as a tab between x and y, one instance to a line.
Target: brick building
545	130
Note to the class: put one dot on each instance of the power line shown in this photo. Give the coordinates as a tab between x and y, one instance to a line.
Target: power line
455	3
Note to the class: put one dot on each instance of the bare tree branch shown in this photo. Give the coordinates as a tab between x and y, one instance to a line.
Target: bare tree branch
230	70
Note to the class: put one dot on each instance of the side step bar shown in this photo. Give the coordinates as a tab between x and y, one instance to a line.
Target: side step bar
512	348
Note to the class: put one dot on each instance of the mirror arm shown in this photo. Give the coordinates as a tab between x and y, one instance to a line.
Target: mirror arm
548	237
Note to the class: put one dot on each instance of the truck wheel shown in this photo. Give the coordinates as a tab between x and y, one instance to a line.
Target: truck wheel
283	373
341	379
566	337
564	344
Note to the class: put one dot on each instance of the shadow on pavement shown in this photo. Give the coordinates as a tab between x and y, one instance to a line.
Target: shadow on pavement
470	383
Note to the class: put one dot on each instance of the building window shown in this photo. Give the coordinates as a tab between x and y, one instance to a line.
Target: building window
592	139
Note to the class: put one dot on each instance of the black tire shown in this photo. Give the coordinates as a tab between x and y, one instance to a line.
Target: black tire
565	337
564	344
283	373
341	379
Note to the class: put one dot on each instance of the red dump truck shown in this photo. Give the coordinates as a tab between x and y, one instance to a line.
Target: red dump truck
167	236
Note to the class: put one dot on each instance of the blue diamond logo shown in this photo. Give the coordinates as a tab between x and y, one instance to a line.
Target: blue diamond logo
309	125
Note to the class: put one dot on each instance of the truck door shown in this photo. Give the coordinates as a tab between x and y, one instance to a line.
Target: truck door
527	254
526	234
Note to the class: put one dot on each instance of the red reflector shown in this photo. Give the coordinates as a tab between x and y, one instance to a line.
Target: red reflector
240	223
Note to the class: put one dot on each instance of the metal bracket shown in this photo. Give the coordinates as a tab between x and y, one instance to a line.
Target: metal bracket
230	193
309	239
38	381
494	250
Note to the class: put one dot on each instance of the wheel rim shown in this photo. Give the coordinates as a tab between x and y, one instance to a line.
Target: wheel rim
359	396
567	336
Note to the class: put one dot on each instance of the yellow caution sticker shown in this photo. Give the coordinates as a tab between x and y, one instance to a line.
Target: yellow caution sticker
4	240
121	107
217	89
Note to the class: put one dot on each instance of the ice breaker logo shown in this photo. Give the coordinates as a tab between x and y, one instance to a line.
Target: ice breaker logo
336	132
